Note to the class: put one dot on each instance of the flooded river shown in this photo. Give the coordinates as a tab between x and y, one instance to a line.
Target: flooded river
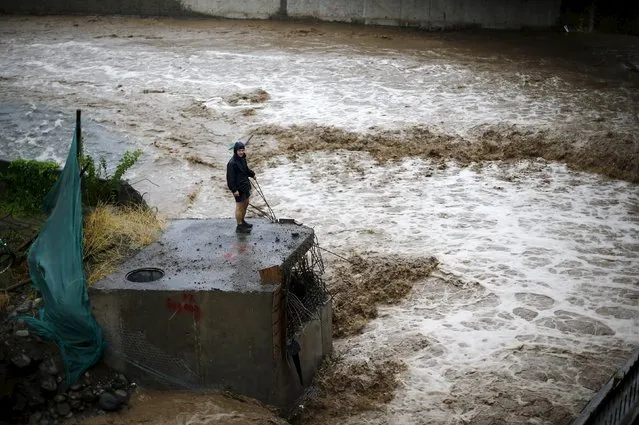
479	149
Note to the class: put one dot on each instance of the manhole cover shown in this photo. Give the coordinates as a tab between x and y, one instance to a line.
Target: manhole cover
148	274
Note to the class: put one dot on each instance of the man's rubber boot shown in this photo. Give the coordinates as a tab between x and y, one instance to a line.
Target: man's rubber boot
242	229
249	225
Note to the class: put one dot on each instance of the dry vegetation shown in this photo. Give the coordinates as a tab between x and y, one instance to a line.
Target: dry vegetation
362	284
611	154
111	233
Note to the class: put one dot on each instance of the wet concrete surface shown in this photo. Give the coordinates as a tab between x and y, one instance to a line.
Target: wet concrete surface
208	255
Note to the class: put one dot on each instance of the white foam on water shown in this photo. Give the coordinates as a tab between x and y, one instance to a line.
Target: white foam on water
346	86
546	257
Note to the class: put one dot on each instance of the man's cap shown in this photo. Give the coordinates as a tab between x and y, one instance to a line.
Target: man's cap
237	146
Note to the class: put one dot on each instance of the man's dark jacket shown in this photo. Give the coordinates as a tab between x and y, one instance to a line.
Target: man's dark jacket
237	175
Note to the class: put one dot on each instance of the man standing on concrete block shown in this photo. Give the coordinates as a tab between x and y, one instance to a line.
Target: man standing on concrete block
237	179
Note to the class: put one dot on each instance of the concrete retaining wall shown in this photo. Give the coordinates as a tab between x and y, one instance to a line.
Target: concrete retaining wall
431	14
254	9
428	14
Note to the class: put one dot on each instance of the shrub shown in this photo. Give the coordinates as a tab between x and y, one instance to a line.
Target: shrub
100	187
25	184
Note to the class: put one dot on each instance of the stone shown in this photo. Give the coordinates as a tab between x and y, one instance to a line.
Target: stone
21	360
22	333
59	398
63	409
121	395
49	384
49	367
25	307
37	303
36	401
20	404
35	418
109	402
75	404
75	387
37	355
88	396
120	382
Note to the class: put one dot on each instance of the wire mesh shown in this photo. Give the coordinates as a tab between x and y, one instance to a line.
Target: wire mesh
172	371
304	290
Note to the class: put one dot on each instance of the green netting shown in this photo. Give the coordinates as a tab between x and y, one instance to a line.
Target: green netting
56	270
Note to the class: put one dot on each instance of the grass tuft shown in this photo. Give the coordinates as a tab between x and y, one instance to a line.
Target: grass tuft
111	233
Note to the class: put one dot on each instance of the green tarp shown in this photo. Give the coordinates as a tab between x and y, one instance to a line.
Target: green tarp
56	270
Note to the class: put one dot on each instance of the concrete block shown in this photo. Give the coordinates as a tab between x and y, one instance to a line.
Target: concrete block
203	308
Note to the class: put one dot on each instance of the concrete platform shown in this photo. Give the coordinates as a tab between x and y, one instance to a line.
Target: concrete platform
205	308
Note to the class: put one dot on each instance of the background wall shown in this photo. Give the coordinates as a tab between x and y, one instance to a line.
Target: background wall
429	14
432	14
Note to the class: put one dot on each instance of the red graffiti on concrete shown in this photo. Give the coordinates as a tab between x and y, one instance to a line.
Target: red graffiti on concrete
242	248
187	305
